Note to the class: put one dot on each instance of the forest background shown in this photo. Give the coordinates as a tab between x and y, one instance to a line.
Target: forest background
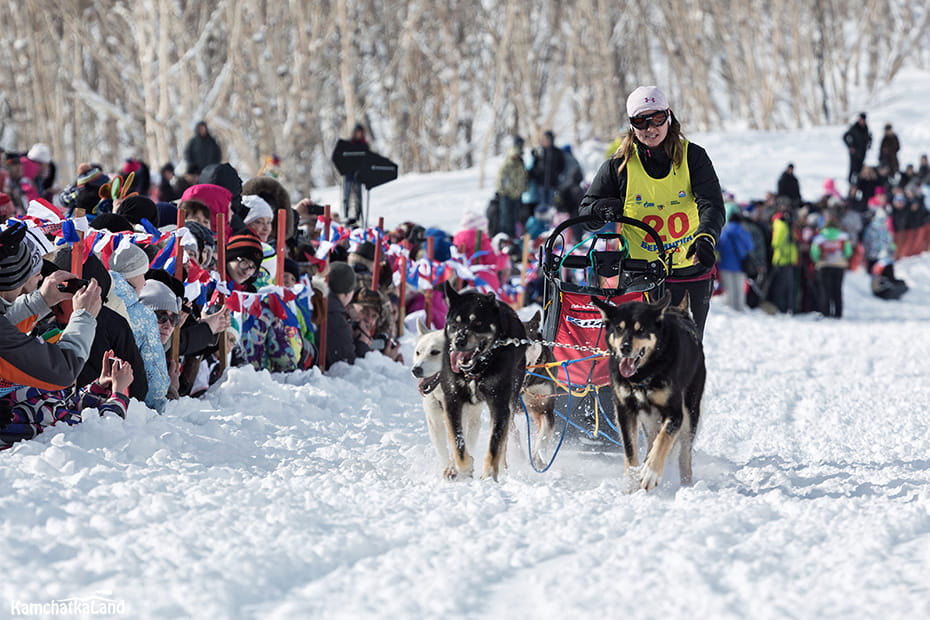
441	86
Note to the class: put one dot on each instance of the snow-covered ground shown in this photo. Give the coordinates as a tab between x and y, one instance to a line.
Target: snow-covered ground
310	496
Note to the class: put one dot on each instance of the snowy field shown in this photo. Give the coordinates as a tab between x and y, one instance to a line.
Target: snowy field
310	496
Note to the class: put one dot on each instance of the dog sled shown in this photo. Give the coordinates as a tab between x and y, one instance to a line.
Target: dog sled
597	265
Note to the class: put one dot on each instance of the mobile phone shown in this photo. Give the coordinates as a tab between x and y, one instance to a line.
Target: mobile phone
72	285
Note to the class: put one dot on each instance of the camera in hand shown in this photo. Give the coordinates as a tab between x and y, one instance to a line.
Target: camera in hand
315	209
72	285
380	342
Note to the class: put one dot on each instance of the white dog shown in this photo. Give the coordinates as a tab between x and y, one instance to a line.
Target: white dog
427	363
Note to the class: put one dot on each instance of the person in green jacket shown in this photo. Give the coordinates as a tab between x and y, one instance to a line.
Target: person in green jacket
831	250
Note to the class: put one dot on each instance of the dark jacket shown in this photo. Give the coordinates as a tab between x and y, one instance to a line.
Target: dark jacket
609	183
203	151
788	186
341	345
114	332
548	165
858	137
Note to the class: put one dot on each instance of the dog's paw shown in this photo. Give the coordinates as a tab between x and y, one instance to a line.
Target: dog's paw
490	472
450	473
650	478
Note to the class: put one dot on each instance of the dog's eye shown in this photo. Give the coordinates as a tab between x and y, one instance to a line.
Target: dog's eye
435	352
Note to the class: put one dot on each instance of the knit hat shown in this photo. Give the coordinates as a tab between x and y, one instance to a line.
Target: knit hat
92	268
135	208
645	98
202	234
129	260
157	296
41	153
111	222
291	267
257	208
16	267
40	246
245	245
341	278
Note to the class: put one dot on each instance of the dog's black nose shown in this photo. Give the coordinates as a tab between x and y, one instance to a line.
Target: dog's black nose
417	372
626	347
461	339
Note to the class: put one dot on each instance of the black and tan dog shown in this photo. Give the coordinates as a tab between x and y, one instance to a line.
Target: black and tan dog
657	378
484	360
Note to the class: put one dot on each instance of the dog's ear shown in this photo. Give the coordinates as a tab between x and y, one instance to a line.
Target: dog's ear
685	304
449	291
605	308
421	327
535	321
663	301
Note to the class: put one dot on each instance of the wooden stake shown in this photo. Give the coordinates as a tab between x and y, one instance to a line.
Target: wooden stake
376	267
279	248
179	274
324	320
524	267
221	268
428	299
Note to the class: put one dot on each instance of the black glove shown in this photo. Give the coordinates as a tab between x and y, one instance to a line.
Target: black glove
704	248
608	209
11	238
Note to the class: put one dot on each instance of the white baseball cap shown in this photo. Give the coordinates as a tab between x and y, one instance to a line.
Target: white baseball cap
645	98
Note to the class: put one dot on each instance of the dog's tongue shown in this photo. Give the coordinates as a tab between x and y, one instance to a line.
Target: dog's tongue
428	384
456	358
627	366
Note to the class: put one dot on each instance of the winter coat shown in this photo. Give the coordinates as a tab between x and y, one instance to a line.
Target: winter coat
784	248
734	245
878	240
115	333
511	179
341	345
28	361
858	137
145	329
831	248
788	186
548	165
203	151
888	151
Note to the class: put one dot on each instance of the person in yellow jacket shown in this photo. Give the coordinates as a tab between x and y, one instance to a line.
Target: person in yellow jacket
658	177
784	260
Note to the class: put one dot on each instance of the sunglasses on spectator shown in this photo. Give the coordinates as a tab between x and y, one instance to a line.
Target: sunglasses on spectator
656	119
164	317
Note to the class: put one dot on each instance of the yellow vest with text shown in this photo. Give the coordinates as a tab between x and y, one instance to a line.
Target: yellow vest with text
666	204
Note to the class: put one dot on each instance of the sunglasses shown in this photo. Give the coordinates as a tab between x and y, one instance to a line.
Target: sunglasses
656	119
165	317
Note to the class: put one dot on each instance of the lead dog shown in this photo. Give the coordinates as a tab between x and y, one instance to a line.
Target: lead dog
427	364
657	376
484	361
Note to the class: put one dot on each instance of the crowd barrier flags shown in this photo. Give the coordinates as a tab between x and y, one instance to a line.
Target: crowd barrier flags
221	264
77	247
428	294
324	320
179	274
